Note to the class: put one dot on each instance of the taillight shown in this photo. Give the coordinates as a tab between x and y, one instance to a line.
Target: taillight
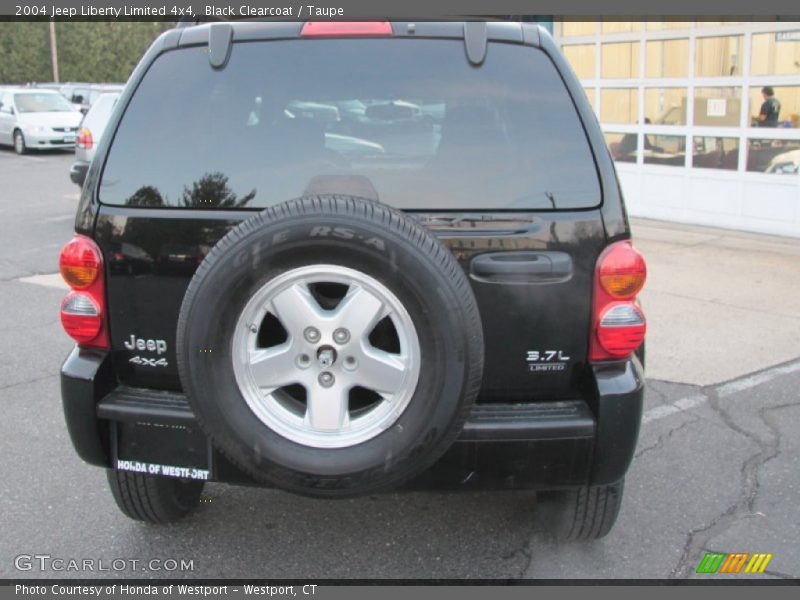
622	271
80	262
81	317
83	310
346	29
85	139
618	323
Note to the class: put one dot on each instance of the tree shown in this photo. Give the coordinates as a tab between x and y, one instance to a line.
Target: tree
25	49
90	51
212	191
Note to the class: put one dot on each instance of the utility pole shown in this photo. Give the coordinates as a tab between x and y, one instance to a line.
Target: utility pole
53	50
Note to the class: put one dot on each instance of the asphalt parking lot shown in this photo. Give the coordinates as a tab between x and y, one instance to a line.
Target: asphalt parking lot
717	468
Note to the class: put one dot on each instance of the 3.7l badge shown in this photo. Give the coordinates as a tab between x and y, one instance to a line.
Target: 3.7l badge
546	360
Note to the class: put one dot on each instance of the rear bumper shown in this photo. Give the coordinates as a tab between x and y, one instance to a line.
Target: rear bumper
544	445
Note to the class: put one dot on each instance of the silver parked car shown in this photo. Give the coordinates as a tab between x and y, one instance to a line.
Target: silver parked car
37	119
89	133
83	95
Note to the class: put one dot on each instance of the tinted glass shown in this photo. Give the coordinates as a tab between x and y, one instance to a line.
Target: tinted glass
411	123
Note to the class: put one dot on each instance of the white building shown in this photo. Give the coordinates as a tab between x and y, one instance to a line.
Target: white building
677	102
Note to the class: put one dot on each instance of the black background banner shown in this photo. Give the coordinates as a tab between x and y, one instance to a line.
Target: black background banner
418	9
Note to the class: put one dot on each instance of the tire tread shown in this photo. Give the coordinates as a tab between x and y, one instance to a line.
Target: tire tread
583	514
156	500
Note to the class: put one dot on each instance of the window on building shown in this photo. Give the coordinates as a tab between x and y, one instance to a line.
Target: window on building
623	146
620	60
620	26
718	56
665	106
778	157
788	97
576	28
619	105
669	150
581	58
667	58
717	106
776	53
712	152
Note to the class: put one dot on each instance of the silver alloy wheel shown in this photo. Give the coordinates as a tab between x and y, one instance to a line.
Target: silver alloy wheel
328	353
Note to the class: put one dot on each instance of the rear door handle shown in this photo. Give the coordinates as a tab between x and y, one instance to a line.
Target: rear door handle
522	267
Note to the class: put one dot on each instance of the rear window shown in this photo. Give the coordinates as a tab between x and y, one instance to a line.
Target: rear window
410	123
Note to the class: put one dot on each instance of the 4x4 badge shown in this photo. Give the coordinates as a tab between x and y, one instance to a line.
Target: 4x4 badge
149	362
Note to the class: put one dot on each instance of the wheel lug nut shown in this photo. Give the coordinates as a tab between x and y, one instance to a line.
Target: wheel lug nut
326	379
341	336
312	334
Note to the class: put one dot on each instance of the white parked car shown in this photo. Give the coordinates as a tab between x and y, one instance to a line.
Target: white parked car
37	119
786	163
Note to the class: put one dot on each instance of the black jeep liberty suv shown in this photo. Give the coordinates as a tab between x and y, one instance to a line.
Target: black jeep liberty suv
339	258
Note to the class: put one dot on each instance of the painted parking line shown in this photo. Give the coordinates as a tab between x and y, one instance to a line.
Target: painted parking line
724	390
752	381
27	157
53	280
665	410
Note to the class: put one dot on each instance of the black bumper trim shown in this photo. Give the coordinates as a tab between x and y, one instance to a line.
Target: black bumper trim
486	422
526	422
128	404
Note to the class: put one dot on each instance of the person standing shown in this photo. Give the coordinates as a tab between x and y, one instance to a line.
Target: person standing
770	109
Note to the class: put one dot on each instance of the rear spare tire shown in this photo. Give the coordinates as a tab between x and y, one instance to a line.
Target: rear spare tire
330	346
